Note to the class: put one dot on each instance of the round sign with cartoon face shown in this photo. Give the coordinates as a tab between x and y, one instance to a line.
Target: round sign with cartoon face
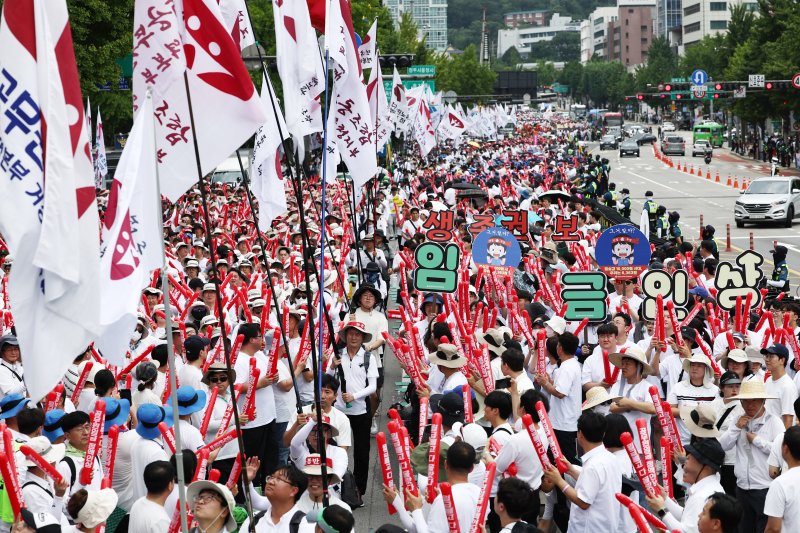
496	247
622	252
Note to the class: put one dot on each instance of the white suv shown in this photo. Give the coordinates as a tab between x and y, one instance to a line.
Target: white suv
769	199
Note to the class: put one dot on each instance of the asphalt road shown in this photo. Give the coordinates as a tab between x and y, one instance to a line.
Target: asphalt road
694	196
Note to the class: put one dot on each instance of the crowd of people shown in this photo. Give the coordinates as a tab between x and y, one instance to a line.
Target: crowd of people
515	418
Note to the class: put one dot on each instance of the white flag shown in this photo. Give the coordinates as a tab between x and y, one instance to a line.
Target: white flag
378	108
227	110
88	111
131	235
300	67
350	126
234	13
367	50
48	212
398	108
423	128
266	174
100	162
452	125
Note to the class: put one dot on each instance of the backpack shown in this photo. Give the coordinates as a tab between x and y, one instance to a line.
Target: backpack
349	491
294	523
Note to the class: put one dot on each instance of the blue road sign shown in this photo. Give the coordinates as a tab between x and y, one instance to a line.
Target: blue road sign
699	77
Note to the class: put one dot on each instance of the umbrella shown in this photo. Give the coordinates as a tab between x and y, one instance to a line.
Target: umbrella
554	194
472	193
465	185
474	144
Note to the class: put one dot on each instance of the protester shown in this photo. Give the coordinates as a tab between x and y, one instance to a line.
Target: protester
148	513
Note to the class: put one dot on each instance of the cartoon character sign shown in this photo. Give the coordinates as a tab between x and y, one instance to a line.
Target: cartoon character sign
496	251
622	252
496	247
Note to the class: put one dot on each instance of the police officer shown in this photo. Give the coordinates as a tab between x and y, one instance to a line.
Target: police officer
675	234
611	196
662	223
651	207
624	204
780	274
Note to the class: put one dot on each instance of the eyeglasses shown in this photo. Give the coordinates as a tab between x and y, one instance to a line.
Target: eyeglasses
85	428
218	379
276	479
207	497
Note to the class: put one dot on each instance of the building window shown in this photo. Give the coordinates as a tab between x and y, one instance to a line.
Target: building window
719	24
691	10
718	6
691	28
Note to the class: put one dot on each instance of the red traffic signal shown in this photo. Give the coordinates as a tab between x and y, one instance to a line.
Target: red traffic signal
678	96
718	87
716	95
768	85
640	97
667	87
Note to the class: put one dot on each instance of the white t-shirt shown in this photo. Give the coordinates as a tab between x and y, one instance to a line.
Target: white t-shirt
783	500
638	393
786	392
265	399
285	401
148	517
357	378
465	496
144	452
564	412
600	480
684	394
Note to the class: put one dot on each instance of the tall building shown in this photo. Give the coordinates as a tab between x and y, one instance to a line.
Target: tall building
430	17
524	38
630	36
702	18
594	32
668	20
535	17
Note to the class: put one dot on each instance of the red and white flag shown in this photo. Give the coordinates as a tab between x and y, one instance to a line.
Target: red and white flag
131	235
48	212
379	108
227	110
100	162
349	116
266	180
300	67
234	13
452	125
88	110
398	108
367	52
423	128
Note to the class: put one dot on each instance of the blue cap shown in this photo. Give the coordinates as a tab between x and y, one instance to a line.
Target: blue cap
190	400
699	291
11	405
117	412
149	416
52	425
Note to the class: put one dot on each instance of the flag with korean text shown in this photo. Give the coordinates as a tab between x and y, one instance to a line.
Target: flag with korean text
299	66
266	174
131	233
398	108
379	108
237	22
100	162
350	127
367	52
192	56
423	128
452	125
48	212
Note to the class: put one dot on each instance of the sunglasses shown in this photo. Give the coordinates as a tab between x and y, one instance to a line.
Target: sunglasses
218	379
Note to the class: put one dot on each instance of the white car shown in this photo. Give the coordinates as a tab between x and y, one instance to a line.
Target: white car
775	198
668	126
701	147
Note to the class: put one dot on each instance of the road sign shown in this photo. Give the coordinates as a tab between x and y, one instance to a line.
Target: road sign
755	81
699	91
699	77
796	81
740	92
678	80
422	70
408	84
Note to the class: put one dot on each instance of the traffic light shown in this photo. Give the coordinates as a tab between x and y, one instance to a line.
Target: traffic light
678	96
768	86
667	87
717	87
640	97
396	60
717	95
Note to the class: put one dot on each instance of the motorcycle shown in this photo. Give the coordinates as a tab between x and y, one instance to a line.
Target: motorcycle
707	159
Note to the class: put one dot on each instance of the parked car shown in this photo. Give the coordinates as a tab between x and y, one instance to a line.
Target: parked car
629	147
701	147
609	142
769	199
672	144
667	127
645	138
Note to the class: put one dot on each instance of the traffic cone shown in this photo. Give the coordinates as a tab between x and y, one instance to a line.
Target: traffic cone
717	180
691	172
729	181
735	182
708	173
745	184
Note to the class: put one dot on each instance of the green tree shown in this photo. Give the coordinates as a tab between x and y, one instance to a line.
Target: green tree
464	74
509	61
572	75
709	54
661	65
606	83
545	73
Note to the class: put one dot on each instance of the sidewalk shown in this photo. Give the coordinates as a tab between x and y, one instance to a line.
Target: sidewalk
728	156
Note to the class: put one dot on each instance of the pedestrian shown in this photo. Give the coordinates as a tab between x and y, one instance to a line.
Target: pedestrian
782	504
148	514
212	507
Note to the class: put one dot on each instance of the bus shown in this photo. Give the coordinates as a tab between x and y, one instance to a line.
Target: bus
709	131
577	111
612	120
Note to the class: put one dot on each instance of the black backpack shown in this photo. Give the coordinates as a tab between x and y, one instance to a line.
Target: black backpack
294	523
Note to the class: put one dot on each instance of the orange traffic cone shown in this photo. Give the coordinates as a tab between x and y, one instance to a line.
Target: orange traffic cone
735	182
717	180
729	181
708	173
691	172
745	184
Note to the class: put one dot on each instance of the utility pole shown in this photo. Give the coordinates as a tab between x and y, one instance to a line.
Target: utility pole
484	52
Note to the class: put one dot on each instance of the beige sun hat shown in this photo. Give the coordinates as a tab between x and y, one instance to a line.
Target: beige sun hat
595	396
753	390
313	467
447	356
631	352
700	420
737	355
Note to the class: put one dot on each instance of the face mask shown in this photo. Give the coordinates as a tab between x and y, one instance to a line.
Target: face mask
679	477
136	336
372	277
